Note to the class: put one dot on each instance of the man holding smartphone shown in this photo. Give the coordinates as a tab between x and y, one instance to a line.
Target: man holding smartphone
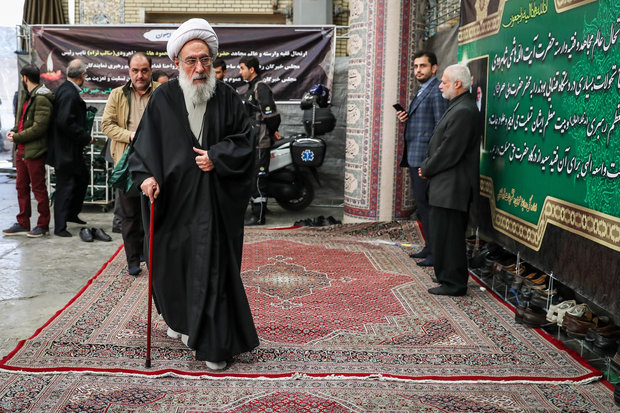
425	111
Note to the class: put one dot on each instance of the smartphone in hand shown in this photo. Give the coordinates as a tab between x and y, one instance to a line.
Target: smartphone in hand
398	107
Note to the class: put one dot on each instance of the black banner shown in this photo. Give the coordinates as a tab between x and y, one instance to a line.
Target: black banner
293	58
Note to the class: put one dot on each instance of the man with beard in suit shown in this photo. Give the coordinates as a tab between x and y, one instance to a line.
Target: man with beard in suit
420	120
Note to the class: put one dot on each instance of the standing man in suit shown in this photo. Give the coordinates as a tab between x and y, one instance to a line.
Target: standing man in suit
452	168
65	152
420	120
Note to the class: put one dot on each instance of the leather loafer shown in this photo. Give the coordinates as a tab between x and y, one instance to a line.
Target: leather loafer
64	233
134	271
76	220
86	235
443	290
604	336
427	262
100	235
578	326
531	317
421	254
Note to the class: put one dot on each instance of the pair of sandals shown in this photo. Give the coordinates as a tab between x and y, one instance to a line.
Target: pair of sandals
556	312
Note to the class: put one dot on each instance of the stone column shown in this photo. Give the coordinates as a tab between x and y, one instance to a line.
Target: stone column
380	45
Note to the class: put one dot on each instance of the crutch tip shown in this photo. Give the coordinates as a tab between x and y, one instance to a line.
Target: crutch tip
147	364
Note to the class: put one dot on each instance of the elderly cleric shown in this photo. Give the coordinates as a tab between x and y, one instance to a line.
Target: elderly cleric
192	156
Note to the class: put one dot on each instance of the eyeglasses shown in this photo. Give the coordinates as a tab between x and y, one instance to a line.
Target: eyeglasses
204	61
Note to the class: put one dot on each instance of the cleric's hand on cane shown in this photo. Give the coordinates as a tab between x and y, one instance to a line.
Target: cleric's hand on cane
150	188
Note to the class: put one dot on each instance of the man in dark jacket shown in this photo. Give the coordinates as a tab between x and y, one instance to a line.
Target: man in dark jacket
29	137
265	119
452	168
67	147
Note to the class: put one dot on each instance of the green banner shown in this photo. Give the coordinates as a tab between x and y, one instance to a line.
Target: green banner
547	74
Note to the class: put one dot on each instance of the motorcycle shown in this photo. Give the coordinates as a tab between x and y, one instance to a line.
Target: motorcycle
286	182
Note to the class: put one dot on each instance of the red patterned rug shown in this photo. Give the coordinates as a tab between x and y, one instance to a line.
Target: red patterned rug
344	320
47	393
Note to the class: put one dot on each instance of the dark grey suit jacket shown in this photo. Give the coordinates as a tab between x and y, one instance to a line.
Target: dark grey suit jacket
453	162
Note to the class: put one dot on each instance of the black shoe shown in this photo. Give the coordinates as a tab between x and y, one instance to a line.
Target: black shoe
254	220
63	233
427	262
443	290
76	220
134	271
116	230
86	235
421	254
100	235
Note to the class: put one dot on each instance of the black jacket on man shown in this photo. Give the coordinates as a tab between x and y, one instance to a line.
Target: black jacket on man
453	170
69	134
65	154
452	163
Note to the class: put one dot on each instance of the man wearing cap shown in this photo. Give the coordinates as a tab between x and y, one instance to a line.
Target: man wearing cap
192	157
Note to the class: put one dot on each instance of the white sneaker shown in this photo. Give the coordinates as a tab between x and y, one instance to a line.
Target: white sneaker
216	365
185	339
173	334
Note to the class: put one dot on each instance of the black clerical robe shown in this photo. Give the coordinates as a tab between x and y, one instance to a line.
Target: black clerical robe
198	223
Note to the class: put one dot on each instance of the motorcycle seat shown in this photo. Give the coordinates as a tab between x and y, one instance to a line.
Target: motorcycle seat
281	142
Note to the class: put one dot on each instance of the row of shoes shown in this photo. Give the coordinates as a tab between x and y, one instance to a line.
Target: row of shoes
319	221
485	256
577	320
580	322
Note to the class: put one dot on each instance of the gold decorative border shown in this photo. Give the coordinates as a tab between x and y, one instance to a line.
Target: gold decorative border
601	228
482	28
565	5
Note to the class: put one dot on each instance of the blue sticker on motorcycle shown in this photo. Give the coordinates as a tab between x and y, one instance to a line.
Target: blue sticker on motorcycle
307	155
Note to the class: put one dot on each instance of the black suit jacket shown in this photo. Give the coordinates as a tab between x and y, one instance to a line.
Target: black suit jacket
453	162
69	134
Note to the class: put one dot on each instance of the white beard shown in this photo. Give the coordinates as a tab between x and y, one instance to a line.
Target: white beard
200	93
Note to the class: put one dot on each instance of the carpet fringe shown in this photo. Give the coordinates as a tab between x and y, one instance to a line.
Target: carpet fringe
308	377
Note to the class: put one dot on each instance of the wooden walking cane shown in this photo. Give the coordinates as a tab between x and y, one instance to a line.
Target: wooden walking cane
147	364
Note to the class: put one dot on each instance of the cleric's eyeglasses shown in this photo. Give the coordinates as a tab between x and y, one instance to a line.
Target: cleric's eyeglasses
204	61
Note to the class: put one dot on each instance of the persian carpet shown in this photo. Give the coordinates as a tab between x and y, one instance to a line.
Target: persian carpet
345	324
326	303
74	392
